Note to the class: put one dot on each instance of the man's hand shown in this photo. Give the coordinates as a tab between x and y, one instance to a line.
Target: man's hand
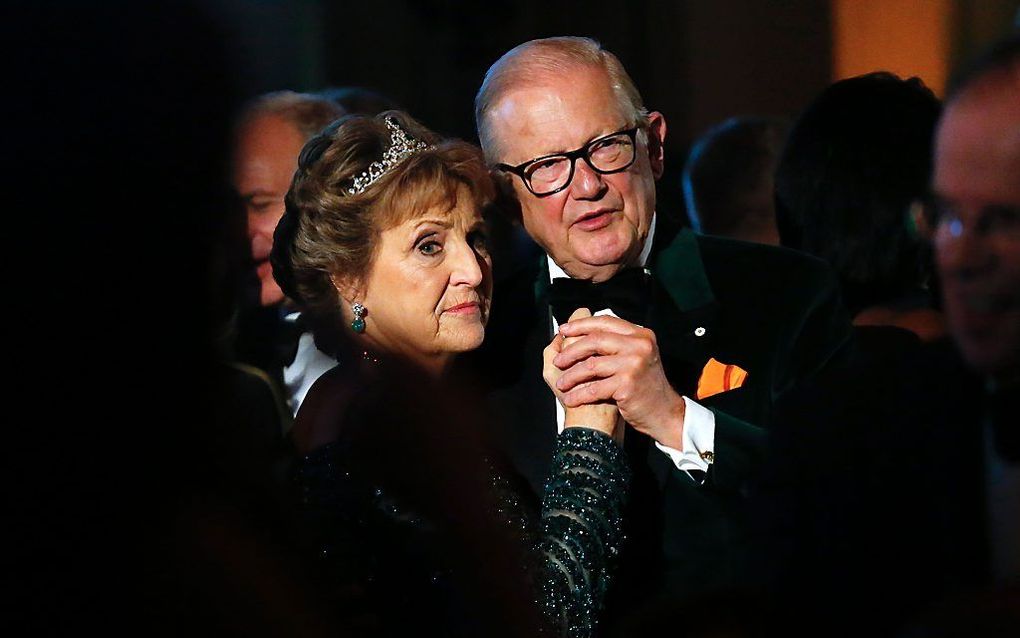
609	359
602	416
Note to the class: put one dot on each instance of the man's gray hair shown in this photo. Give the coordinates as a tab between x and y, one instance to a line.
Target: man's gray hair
540	61
308	113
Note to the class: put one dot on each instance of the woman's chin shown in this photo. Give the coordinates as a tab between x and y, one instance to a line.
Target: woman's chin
466	339
461	332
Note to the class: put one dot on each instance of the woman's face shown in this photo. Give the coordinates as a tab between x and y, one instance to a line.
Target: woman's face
428	290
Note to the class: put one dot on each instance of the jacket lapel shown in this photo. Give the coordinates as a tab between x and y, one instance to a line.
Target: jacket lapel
684	313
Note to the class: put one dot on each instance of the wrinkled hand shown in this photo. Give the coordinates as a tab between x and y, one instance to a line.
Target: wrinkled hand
602	416
609	359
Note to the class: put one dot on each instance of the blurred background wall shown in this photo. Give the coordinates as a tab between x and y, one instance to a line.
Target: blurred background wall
697	61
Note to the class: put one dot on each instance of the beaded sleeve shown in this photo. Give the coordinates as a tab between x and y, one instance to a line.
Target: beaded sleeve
581	529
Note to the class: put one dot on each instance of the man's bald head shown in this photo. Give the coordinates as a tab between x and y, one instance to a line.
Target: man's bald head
548	60
269	135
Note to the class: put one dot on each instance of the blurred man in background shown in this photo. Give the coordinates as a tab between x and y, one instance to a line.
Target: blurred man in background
976	186
269	135
729	176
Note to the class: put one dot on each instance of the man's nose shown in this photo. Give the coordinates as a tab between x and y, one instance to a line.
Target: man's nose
259	224
587	182
260	245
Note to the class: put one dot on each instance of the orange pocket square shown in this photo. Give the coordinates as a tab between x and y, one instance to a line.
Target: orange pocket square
719	377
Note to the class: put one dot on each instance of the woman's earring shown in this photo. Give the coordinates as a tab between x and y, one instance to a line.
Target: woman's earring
358	325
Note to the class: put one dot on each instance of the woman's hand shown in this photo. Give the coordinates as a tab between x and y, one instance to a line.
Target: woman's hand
602	416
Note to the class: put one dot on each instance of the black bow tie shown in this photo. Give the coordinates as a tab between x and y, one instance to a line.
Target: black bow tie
626	294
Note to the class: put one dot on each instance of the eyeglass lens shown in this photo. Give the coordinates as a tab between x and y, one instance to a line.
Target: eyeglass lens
605	155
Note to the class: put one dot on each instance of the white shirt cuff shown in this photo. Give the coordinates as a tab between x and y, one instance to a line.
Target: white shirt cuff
698	439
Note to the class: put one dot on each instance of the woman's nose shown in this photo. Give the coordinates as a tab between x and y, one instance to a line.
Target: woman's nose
466	266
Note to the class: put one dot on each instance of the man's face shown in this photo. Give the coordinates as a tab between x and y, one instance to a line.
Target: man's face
977	239
265	158
598	223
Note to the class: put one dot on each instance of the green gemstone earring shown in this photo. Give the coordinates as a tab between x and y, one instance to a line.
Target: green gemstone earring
358	325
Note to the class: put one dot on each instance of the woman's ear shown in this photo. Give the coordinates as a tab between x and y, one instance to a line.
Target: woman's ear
349	288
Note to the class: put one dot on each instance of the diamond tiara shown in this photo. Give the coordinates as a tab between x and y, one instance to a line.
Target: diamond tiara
402	146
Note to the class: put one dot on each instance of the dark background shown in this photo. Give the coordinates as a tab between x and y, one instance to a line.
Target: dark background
696	61
116	168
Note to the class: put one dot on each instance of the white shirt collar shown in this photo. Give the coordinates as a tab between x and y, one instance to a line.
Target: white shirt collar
555	272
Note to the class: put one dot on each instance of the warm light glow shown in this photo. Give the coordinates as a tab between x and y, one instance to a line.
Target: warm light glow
906	37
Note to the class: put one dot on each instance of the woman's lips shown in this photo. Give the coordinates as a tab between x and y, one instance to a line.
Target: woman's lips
595	220
466	308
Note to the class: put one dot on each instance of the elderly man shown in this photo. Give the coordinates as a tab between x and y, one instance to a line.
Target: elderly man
976	185
269	136
694	337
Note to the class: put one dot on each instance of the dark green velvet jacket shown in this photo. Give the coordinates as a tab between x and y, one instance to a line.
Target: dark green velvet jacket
773	312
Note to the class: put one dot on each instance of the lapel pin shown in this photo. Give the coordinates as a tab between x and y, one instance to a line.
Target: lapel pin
699	331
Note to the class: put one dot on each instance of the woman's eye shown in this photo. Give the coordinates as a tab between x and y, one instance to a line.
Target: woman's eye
430	247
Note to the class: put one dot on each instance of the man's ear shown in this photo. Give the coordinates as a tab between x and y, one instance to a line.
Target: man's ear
656	143
506	202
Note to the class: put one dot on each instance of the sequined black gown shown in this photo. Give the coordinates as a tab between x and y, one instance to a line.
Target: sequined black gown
581	528
407	544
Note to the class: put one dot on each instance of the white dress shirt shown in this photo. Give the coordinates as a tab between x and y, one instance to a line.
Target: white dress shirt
309	364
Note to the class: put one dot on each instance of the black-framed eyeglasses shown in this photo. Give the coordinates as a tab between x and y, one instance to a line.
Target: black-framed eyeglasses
552	173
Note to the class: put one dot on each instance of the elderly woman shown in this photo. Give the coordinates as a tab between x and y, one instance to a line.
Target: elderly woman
383	247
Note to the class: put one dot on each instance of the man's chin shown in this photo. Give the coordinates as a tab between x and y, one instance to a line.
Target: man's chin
605	265
270	294
585	269
603	257
995	357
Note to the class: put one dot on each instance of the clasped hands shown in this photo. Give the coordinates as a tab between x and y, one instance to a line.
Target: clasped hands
606	371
